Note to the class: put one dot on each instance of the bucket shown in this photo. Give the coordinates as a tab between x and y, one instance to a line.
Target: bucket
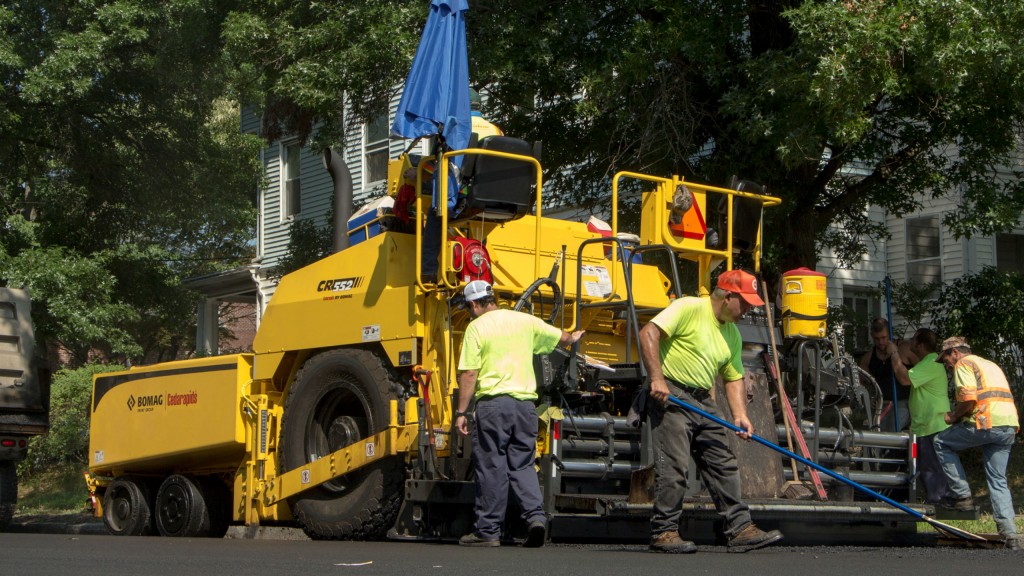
804	304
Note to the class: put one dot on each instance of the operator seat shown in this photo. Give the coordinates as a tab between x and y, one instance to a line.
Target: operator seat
746	215
746	218
499	188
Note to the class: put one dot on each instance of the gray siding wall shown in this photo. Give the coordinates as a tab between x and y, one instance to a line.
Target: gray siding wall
317	190
866	274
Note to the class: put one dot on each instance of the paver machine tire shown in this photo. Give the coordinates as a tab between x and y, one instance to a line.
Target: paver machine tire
217	496
181	509
337	398
128	507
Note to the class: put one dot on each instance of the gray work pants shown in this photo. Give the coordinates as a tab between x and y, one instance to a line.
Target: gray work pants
678	434
504	442
995	445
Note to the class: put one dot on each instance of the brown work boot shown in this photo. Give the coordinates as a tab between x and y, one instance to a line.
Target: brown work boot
958	504
671	543
751	538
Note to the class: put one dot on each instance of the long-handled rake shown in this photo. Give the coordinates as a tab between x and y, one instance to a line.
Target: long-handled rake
942	527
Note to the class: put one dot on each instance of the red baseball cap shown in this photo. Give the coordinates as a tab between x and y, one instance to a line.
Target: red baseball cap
741	283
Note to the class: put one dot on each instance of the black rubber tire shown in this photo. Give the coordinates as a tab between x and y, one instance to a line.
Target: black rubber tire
127	507
181	509
8	492
337	398
218	500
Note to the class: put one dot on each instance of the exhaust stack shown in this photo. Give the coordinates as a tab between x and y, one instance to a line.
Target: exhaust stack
342	178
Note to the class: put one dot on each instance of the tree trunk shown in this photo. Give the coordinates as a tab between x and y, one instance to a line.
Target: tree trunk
794	234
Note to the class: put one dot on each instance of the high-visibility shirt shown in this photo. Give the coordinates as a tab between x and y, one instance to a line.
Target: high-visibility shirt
929	400
697	347
500	345
983	381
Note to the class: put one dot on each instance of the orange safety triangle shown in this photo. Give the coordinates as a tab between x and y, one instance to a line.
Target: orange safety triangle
692	225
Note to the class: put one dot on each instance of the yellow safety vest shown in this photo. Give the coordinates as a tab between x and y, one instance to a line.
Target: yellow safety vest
983	381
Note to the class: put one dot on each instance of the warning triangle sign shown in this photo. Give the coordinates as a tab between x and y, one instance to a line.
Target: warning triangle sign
692	225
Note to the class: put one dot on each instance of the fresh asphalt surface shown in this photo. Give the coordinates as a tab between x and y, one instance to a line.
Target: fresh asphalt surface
24	554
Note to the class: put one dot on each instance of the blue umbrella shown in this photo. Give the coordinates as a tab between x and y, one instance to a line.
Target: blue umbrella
435	99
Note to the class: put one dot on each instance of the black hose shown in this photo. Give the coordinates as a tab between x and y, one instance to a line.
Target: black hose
528	293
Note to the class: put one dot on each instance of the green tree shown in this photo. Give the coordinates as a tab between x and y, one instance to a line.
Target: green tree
297	60
308	242
832	105
984	308
68	438
122	167
912	302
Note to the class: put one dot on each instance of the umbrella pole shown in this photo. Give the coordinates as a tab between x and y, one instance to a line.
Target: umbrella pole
935	523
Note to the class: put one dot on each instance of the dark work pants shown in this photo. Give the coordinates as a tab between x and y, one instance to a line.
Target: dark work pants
932	476
678	434
504	442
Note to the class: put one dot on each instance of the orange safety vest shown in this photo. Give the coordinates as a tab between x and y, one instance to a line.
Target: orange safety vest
983	381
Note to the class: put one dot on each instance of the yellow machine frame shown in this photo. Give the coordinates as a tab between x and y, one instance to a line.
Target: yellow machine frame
372	295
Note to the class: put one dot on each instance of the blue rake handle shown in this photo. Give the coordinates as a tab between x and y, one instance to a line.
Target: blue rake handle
888	316
941	526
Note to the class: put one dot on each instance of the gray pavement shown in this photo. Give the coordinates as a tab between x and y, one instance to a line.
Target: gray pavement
85	555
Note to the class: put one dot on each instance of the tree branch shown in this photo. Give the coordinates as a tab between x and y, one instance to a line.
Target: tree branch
857	191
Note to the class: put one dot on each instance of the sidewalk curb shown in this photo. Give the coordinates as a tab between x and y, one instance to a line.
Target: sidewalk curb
87	528
98	529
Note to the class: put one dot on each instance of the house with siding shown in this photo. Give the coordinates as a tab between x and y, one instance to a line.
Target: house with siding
921	250
297	187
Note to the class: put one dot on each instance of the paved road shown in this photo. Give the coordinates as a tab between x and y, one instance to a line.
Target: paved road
24	554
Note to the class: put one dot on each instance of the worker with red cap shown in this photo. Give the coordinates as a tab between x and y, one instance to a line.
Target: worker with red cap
684	348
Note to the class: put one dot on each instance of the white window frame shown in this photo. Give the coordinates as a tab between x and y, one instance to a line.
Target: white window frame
912	274
873	305
377	147
291	182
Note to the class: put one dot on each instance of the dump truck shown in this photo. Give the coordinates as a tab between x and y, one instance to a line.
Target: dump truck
24	393
340	421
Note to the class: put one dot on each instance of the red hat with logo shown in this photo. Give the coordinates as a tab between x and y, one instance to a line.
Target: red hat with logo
741	283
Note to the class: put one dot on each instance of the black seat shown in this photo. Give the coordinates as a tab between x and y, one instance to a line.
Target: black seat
746	215
746	218
499	187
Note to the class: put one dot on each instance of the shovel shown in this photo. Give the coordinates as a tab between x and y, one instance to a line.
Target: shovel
942	527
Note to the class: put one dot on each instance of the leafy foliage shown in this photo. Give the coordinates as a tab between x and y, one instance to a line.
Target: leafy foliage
297	60
912	302
308	242
985	309
119	141
68	438
122	168
832	105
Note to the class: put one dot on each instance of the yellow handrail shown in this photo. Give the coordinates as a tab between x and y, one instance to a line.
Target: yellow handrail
443	201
